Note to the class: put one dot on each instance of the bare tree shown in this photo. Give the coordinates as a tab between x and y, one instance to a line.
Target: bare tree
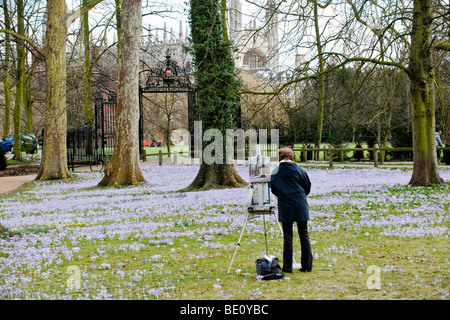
406	30
20	80
54	155
7	64
123	169
166	112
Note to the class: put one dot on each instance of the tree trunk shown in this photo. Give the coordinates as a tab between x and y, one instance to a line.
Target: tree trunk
118	25
216	86
167	137
321	99
217	176
20	81
88	119
421	74
28	101
54	153
87	69
389	88
447	130
223	14
123	169
168	114
6	84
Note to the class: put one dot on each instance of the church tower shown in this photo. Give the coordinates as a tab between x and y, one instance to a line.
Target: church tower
272	36
235	18
257	45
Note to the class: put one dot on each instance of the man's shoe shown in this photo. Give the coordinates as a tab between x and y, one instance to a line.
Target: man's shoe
305	270
286	270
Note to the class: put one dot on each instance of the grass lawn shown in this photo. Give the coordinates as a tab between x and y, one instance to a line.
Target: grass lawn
348	155
373	237
154	151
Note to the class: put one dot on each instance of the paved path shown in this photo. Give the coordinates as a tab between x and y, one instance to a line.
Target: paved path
8	184
12	183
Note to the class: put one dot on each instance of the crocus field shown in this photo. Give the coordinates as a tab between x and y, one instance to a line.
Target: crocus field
372	235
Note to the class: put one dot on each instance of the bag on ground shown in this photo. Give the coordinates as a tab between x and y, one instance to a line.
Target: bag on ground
268	269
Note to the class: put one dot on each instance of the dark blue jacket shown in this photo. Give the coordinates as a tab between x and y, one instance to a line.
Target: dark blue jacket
291	185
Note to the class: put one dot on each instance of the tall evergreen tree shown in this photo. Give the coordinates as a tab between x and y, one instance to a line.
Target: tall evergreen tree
216	85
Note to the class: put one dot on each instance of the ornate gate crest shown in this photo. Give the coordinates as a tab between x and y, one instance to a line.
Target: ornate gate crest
168	76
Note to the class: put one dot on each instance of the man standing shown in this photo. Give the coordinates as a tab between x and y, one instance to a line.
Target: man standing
438	144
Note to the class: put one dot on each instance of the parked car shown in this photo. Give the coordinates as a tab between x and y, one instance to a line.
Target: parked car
29	143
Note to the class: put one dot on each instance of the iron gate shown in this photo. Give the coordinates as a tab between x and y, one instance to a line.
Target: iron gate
168	77
89	143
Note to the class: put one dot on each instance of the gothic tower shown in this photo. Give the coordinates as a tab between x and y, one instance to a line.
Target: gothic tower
272	35
257	43
235	18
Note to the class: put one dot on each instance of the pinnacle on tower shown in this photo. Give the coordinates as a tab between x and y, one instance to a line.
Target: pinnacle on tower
165	33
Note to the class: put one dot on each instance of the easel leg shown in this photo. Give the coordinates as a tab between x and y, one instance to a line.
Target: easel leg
239	242
265	234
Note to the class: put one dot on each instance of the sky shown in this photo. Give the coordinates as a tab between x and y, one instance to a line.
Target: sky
171	12
157	13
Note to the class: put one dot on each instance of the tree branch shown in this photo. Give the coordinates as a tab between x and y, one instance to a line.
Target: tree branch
316	75
441	45
322	6
27	40
75	14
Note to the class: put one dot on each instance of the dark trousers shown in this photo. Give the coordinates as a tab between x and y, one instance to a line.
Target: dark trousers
307	257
